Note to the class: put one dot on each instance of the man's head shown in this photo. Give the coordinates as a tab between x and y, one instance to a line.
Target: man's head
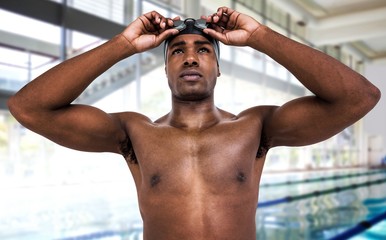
191	61
192	26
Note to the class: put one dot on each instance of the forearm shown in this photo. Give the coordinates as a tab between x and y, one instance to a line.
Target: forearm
61	85
323	75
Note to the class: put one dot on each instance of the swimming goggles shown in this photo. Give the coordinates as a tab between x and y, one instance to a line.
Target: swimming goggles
193	26
180	25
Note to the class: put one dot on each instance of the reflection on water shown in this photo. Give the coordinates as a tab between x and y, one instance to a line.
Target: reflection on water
324	216
54	212
108	210
316	218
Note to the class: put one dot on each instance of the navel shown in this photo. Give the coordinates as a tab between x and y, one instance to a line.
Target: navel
154	180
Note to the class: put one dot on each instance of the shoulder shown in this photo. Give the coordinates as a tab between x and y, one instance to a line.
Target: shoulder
261	113
130	116
130	119
130	122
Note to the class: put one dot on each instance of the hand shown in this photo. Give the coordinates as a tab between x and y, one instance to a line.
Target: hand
149	31
231	27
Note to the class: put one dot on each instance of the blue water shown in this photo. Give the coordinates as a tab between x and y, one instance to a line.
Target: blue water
105	210
325	216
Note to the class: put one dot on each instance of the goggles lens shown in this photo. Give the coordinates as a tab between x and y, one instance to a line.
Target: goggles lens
197	23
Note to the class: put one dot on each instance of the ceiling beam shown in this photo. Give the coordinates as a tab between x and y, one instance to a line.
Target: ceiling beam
59	15
347	33
352	18
33	45
343	29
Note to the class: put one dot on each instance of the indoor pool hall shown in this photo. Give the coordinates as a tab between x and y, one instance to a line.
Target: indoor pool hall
192	120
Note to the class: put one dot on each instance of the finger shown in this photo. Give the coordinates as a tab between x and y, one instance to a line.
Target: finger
152	16
209	18
224	18
170	22
221	16
222	22
159	21
204	18
150	21
224	11
229	18
216	35
220	11
156	17
166	34
217	28
215	18
162	24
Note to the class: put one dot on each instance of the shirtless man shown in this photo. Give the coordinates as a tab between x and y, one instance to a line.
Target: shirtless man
196	169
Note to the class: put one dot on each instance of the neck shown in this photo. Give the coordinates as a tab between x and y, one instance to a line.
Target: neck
194	115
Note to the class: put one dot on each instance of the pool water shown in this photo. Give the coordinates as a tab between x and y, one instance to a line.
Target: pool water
322	216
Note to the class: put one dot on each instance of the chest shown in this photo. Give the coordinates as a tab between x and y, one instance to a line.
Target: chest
212	160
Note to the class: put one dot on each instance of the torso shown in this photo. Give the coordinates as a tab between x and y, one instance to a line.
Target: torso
197	184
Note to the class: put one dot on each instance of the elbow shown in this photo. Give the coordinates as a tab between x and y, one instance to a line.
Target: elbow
378	94
374	96
18	111
13	107
369	99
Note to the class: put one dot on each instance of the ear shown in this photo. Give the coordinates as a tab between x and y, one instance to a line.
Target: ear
218	71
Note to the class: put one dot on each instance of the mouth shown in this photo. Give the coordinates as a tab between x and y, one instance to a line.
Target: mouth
190	75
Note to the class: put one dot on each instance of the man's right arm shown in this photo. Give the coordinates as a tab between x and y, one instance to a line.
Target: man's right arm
44	105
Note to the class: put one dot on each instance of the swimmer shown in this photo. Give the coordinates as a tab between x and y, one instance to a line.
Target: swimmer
197	168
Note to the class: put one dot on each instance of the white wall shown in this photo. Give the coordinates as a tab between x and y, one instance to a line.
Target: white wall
375	121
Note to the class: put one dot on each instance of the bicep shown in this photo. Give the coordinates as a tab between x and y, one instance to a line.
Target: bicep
304	121
83	128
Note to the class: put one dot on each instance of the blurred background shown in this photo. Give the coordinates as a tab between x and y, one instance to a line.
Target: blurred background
336	188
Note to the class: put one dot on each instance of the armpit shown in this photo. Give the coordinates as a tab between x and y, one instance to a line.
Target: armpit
264	146
128	151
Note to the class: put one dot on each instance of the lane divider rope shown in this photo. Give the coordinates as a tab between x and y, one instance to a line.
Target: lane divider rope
318	193
360	227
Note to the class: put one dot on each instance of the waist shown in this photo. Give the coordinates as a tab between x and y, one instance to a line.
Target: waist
204	217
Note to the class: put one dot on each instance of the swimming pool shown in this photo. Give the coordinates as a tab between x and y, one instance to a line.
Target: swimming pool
322	206
302	205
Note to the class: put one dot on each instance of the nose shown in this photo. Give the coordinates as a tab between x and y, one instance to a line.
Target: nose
191	61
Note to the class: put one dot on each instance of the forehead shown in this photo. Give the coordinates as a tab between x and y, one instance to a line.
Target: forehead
188	39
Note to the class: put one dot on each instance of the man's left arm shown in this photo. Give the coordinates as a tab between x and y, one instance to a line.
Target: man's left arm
341	95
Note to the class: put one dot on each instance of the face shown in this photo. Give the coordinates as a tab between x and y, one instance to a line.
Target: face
191	67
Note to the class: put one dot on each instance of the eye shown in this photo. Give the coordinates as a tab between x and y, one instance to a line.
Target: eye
177	51
203	50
